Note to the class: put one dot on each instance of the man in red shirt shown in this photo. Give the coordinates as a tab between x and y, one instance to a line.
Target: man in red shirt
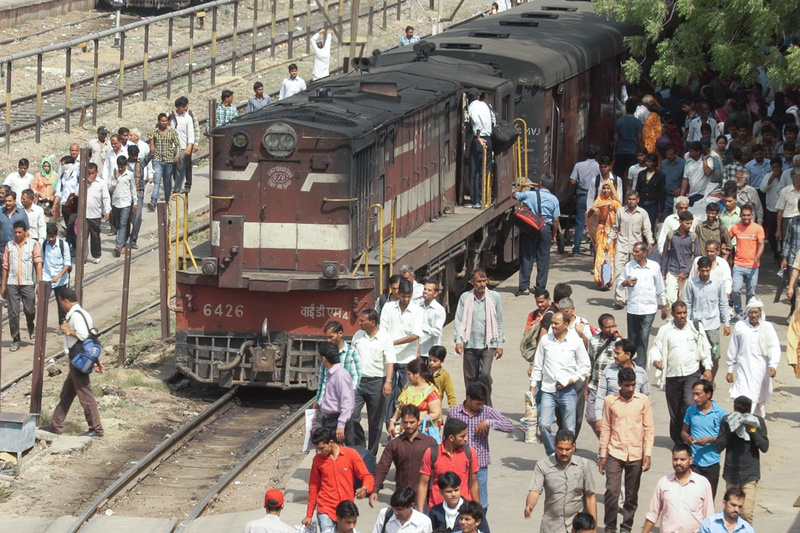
750	241
452	455
332	480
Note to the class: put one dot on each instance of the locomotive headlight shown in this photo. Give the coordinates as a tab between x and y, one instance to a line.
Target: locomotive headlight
279	140
240	139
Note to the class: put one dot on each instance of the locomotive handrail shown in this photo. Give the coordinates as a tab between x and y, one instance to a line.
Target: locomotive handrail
214	197
487	181
182	247
379	207
393	237
342	200
521	151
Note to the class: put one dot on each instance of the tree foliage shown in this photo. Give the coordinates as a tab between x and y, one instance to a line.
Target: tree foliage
733	36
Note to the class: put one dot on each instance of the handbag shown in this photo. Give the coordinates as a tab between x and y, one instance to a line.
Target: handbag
605	272
504	135
90	350
526	220
428	428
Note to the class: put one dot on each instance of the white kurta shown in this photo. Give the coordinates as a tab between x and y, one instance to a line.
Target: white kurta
746	354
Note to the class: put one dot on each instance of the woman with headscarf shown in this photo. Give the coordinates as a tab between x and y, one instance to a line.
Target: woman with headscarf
44	185
754	352
599	219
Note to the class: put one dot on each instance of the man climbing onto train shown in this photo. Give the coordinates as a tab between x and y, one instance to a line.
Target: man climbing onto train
480	151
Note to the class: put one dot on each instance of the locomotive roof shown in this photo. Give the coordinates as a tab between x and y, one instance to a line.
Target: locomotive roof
353	111
544	42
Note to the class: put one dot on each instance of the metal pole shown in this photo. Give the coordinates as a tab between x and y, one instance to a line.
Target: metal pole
308	27
38	98
255	36
8	107
399	6
234	54
272	31
438	16
371	15
191	52
39	345
213	45
212	123
123	314
67	89
163	245
94	82
340	13
121	96
354	7
291	29
170	38
146	61
385	14
411	10
81	231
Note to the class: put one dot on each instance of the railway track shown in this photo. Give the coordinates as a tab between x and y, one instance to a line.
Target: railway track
196	462
159	71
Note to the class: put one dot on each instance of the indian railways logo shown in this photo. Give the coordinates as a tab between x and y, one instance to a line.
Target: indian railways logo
279	177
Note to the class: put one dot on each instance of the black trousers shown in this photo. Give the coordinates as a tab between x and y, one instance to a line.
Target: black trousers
331	421
615	469
679	396
62	315
94	237
478	367
369	393
535	248
20	297
399	381
711	473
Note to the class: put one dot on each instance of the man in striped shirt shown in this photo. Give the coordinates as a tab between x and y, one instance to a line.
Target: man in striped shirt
334	332
22	266
608	384
165	145
601	354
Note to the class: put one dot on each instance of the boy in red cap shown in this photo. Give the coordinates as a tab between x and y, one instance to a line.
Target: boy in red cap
272	523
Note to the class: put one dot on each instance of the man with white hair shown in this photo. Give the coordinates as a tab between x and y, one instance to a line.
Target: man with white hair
407	271
672	223
754	342
748	195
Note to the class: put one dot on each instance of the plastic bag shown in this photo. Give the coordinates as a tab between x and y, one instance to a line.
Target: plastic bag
311	423
312	527
530	423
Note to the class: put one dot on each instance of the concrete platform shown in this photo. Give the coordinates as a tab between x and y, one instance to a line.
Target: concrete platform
15	12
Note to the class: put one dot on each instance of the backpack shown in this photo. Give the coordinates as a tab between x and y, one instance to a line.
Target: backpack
435	455
386	518
89	352
60	247
530	339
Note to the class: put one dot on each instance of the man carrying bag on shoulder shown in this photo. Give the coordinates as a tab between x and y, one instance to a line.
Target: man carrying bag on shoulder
536	244
77	328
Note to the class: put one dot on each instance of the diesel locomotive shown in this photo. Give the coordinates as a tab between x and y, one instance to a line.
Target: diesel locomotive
318	198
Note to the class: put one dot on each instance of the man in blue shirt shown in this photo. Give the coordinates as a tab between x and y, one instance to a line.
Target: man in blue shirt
701	425
583	176
672	168
537	245
627	138
8	215
56	265
728	521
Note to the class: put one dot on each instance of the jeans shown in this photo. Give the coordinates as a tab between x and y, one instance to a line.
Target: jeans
475	168
615	469
566	401
326	524
162	170
740	275
580	220
369	393
679	397
652	211
399	381
123	227
136	219
478	367
483	486
534	247
639	332
183	172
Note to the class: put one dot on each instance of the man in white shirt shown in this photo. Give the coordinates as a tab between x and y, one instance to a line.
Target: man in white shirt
561	361
376	356
787	204
37	226
110	164
98	206
482	120
696	173
271	523
183	123
720	269
292	85
677	353
20	180
100	147
434	317
402	516
693	133
321	45
672	223
580	327
642	277
402	321
707	302
407	271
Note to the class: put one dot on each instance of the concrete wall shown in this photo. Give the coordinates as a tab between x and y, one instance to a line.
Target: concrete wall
15	12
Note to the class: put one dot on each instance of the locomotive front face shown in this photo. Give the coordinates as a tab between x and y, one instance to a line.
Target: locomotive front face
279	268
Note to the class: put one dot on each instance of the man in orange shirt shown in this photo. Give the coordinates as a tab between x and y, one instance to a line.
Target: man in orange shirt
750	241
626	444
332	479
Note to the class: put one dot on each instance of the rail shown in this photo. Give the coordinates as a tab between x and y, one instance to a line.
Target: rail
521	151
486	180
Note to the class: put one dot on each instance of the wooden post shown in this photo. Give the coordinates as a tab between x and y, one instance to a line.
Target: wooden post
170	42
354	7
163	263
121	89
213	46
234	55
290	38
67	89
146	61
95	72
191	53
80	255
8	107
123	314
255	36
39	345
272	30
38	98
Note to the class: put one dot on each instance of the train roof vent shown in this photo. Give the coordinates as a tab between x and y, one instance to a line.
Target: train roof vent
378	87
525	23
558	8
461	46
550	16
488	35
318	116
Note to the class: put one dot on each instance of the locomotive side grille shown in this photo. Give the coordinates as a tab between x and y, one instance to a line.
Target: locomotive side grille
361	188
318	116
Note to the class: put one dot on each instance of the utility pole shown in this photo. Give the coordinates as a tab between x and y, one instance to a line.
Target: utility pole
353	30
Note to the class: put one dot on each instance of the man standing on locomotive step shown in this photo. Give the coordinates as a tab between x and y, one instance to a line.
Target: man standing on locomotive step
479	332
482	120
536	246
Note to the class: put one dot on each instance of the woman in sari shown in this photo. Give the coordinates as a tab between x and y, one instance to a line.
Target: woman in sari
599	219
44	185
421	392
